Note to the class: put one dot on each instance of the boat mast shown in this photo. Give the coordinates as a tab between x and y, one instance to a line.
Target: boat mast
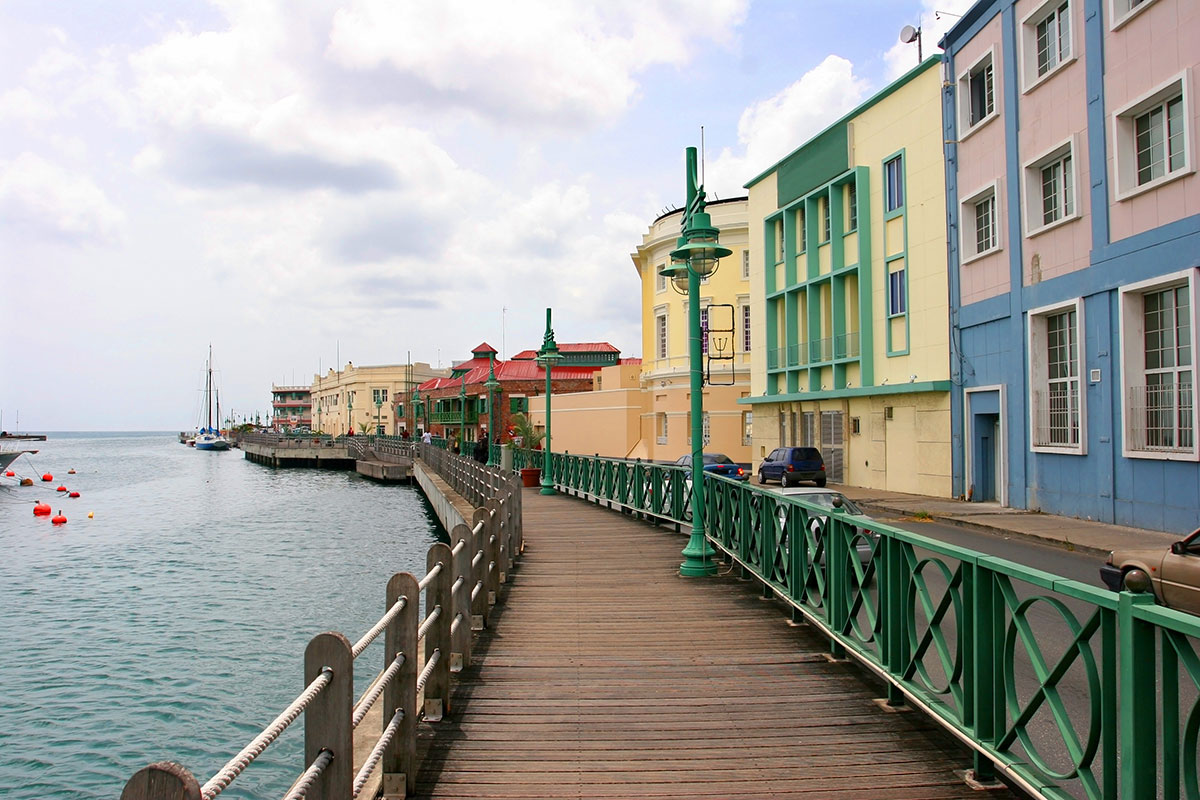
208	388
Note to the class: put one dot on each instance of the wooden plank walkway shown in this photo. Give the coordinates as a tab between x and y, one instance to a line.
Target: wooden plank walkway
605	675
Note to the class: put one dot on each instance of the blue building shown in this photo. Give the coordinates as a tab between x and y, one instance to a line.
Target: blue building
1074	227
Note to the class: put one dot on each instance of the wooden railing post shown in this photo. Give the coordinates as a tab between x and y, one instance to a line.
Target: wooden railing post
479	604
437	638
461	590
400	758
492	547
327	724
164	780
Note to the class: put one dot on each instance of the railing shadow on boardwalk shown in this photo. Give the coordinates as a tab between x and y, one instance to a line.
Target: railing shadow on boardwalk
461	586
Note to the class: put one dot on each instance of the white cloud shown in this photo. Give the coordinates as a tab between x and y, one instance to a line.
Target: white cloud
527	61
43	197
772	128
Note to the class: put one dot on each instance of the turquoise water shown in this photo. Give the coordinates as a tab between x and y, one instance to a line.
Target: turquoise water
172	625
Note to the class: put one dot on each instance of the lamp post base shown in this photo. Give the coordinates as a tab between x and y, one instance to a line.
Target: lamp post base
697	557
548	490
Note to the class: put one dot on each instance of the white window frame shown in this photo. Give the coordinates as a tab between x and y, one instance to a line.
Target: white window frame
1121	11
967	233
965	126
747	428
1032	205
1037	341
660	284
1124	137
746	264
661	427
1028	58
744	315
662	333
1133	358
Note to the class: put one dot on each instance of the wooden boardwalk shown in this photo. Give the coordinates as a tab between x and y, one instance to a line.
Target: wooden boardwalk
605	675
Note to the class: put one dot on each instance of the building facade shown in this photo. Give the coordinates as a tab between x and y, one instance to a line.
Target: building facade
1071	134
665	428
456	407
361	399
848	289
291	407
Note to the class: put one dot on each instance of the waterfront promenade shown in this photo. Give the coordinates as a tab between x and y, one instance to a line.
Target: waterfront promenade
610	676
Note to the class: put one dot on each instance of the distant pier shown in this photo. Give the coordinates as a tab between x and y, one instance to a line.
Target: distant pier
378	458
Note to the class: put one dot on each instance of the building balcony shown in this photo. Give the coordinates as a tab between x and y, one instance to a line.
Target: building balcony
454	417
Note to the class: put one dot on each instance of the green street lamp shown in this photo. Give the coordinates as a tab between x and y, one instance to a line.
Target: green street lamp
416	406
462	418
492	385
350	410
378	424
547	357
695	258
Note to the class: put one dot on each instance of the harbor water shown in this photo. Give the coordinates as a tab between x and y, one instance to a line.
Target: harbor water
172	625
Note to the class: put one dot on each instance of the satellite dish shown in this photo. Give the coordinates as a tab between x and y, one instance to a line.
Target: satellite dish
909	34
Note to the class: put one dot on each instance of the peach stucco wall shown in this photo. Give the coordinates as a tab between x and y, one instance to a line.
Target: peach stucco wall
981	162
1149	49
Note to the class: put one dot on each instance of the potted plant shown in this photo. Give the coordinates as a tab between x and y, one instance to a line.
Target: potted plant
527	438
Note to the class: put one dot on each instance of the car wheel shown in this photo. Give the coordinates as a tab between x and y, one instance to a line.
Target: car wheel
762	477
784	482
819	481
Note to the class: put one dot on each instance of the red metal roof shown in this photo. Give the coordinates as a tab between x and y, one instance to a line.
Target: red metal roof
484	348
570	347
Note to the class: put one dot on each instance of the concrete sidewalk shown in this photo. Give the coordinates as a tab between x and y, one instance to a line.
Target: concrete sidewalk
1067	532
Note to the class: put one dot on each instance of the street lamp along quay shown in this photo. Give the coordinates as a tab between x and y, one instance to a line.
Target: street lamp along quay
547	357
695	257
492	385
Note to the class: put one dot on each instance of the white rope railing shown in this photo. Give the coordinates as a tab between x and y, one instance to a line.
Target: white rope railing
429	576
372	761
301	787
379	628
428	623
376	689
219	782
434	657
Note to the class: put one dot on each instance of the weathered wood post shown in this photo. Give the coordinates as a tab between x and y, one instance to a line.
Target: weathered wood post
400	758
163	780
437	638
461	591
327	724
494	553
487	543
479	605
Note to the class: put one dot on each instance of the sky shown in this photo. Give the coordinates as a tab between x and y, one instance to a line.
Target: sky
301	184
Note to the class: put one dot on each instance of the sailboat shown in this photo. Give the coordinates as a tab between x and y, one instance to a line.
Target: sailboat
210	438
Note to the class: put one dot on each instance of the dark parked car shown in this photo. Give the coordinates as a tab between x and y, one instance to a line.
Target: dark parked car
790	465
718	464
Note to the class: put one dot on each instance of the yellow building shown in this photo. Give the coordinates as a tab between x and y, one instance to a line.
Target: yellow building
642	410
363	399
665	428
849	294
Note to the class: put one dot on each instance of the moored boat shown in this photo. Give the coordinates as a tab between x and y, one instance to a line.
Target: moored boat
208	437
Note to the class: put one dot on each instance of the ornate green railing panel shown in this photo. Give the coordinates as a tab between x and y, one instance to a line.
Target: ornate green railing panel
1071	690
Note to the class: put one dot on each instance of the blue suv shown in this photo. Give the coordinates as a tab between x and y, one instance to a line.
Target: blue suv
790	465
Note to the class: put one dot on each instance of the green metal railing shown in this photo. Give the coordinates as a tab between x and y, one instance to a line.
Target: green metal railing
1069	690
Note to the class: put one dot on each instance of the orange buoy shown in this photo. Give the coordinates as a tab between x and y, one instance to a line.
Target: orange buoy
61	488
27	481
70	472
41	510
59	520
47	477
73	494
9	474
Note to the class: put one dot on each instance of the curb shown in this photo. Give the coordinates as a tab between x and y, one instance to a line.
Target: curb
993	529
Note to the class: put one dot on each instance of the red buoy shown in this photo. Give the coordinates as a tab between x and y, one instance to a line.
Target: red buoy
73	494
59	520
47	477
70	472
9	474
41	510
61	488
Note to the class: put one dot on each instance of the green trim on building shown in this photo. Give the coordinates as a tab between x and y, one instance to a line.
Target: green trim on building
887	91
856	391
824	157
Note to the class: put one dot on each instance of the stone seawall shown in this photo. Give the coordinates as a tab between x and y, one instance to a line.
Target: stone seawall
449	506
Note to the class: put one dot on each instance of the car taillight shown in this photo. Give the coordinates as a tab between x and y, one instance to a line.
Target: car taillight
822	468
741	471
791	468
